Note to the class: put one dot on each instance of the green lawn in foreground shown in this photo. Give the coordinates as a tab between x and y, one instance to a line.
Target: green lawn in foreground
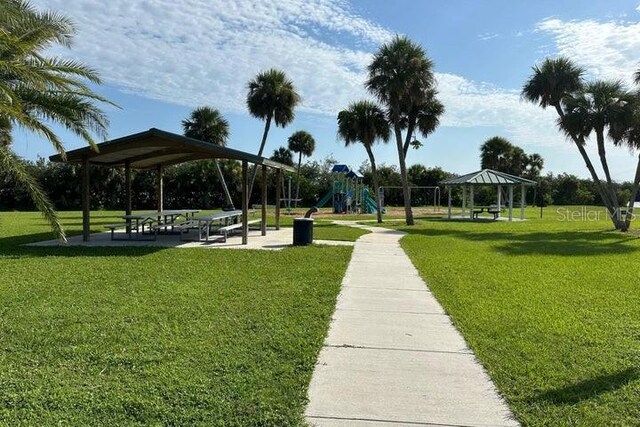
551	307
152	336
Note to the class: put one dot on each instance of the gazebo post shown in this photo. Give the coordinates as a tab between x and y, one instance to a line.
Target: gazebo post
279	184
471	201
522	200
263	223
127	192
449	203
245	202
159	194
86	219
464	199
499	200
511	203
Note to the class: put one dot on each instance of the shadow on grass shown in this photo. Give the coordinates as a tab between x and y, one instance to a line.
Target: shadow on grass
563	243
13	247
590	388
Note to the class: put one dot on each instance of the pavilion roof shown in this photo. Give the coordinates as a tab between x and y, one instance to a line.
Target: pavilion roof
487	177
154	147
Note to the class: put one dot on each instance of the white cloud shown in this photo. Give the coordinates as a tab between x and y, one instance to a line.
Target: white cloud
608	50
488	36
196	52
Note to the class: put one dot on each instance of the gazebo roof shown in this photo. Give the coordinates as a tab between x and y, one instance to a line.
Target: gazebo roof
487	177
154	147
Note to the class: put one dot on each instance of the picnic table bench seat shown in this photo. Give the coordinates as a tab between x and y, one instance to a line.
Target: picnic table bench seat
132	228
228	228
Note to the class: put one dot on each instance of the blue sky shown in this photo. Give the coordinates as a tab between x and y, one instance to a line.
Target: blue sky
161	58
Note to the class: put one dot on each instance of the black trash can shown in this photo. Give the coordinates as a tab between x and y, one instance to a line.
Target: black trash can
302	231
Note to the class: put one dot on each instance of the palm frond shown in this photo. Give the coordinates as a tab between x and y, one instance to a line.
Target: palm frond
10	163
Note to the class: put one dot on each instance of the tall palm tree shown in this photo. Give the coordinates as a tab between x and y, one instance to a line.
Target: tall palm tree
282	155
207	124
550	83
301	142
365	122
401	77
599	106
271	97
36	89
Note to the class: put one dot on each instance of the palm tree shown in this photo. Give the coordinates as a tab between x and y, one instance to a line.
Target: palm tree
271	97
207	124
282	155
301	142
365	122
401	77
551	83
35	89
599	106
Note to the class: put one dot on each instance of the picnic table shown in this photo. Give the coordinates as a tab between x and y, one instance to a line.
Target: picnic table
154	220
221	222
492	209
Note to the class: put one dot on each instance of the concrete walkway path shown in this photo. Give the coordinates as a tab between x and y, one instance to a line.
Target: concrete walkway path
392	356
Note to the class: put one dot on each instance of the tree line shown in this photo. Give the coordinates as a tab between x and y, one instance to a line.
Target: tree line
198	184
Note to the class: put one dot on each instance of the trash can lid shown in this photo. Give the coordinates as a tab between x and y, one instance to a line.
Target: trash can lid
303	219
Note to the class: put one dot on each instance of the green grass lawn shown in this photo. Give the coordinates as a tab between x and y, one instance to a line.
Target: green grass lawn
158	336
550	306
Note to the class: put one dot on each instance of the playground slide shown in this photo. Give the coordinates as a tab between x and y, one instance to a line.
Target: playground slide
370	205
325	199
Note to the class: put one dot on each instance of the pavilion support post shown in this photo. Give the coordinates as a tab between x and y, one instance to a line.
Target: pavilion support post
86	217
471	201
522	200
511	203
499	200
127	193
245	202
263	223
464	200
159	186
279	184
449	203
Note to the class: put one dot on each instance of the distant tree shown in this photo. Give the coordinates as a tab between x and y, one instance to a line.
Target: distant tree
36	89
207	124
365	122
499	154
401	77
283	155
271	97
301	142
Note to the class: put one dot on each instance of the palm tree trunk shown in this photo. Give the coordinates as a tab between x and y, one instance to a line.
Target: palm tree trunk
227	195
410	129
632	198
267	125
374	172
403	171
295	205
602	153
10	163
604	195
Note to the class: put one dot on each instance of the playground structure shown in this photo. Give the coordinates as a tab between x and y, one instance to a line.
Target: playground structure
348	194
412	190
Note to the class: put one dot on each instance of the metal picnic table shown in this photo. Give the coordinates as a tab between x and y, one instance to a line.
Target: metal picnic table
164	219
203	223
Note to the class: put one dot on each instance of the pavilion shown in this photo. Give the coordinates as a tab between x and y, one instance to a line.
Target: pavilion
483	178
157	149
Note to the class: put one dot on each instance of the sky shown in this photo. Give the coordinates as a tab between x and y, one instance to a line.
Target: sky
159	59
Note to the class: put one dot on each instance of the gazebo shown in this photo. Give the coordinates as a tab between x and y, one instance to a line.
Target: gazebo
157	149
483	178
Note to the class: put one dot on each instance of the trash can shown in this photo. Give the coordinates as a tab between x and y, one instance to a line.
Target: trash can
302	231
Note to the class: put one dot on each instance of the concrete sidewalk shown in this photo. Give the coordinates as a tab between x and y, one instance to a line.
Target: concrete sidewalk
392	356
